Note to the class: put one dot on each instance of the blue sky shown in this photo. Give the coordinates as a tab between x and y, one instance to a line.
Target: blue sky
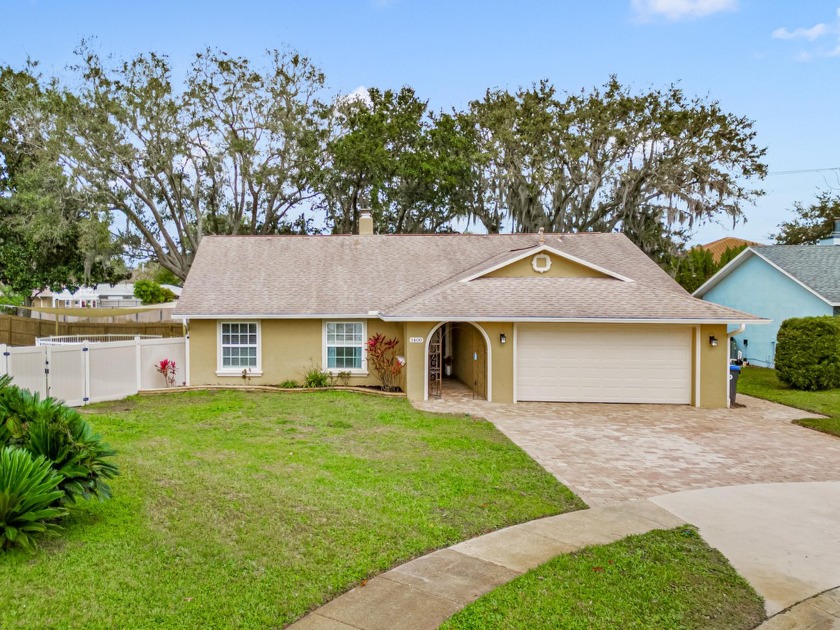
774	61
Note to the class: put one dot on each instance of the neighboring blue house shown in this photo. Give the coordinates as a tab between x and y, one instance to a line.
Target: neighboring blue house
777	282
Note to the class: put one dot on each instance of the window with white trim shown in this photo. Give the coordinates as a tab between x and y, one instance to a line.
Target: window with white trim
345	342
239	346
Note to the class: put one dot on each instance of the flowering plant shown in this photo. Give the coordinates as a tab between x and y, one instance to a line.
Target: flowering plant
382	357
166	368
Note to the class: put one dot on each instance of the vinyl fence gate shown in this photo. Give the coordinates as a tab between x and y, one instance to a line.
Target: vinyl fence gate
88	372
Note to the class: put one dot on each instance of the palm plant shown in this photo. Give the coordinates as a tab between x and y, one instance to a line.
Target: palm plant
28	492
76	453
47	428
18	408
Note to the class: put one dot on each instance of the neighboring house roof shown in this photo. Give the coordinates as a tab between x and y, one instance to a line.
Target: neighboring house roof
431	276
718	247
815	267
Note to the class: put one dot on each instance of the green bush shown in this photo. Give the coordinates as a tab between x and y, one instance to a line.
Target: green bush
316	377
289	384
76	453
808	353
28	492
150	292
59	434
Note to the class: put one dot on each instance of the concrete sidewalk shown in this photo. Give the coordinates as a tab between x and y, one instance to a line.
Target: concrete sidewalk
425	592
783	538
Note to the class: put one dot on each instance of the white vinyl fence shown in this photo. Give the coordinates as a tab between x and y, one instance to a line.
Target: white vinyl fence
89	372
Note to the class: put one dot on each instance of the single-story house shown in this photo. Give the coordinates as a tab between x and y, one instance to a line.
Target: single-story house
516	317
777	282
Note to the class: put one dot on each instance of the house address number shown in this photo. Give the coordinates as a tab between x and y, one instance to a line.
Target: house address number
415	340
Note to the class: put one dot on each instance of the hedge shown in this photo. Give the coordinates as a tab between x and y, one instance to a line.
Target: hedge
808	352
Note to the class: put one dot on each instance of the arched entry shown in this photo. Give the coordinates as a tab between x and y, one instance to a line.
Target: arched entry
458	356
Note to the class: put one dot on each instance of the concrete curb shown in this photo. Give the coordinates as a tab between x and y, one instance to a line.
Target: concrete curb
820	611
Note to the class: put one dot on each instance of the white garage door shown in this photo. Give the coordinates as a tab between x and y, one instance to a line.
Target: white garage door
621	364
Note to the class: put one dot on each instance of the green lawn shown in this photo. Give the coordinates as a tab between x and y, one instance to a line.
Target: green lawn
662	579
239	509
763	383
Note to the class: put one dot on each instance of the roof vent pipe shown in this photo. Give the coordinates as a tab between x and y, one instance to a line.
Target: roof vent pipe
365	223
834	237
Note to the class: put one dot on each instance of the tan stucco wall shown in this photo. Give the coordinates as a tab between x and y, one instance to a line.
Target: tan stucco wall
714	370
288	347
560	268
501	359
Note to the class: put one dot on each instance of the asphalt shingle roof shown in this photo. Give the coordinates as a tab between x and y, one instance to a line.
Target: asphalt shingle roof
421	275
815	266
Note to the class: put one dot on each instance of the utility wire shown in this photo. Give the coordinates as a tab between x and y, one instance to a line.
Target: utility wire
806	170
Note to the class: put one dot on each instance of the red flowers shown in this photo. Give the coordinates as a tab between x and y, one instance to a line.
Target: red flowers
166	368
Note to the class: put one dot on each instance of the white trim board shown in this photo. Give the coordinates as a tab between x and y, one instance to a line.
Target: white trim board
546	248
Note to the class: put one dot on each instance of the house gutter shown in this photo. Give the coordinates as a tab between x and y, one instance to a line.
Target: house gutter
741	328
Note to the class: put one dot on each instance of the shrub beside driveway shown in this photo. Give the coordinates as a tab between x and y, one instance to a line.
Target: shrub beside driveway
250	509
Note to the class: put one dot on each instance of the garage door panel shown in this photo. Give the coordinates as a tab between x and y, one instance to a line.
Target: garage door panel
604	364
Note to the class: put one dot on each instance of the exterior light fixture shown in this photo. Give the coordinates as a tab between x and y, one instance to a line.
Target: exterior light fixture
502	338
713	342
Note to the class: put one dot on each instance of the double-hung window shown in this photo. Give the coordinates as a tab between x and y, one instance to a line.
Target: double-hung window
239	347
344	342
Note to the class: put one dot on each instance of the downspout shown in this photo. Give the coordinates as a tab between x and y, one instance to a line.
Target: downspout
741	328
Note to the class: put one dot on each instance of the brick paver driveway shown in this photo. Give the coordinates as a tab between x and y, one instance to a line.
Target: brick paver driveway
612	453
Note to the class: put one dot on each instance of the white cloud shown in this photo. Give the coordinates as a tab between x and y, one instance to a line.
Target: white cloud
682	9
816	31
812	34
359	95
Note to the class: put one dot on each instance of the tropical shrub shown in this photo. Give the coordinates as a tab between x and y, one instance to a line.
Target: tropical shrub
383	360
59	434
166	369
28	493
808	352
76	453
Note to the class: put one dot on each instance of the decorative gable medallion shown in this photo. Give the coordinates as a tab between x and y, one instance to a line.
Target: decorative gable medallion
541	263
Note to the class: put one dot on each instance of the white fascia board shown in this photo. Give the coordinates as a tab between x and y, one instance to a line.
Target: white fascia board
546	248
275	316
722	273
574	320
